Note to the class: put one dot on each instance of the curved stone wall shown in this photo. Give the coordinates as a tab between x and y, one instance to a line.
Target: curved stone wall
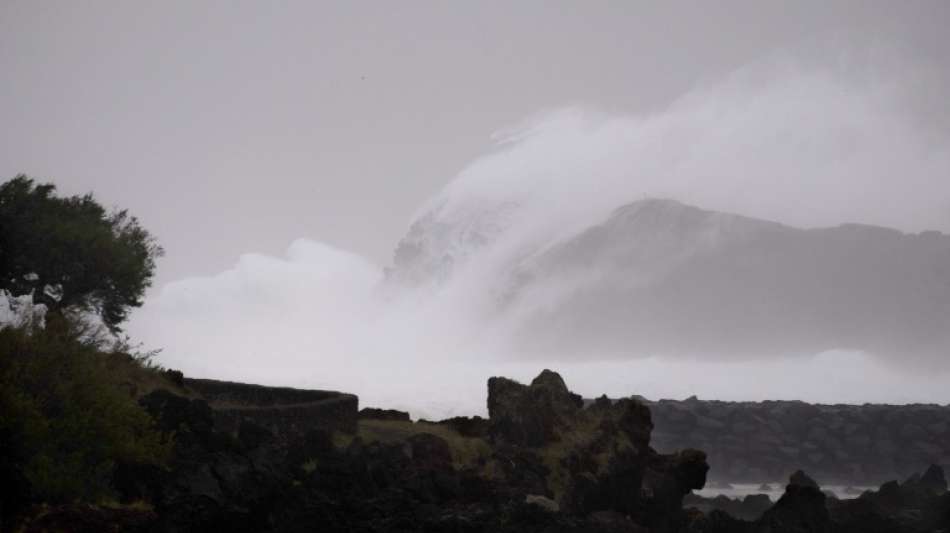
281	410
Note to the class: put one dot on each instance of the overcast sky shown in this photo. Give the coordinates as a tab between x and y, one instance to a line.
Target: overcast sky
280	150
231	127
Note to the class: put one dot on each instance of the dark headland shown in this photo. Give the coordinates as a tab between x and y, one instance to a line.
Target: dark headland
253	458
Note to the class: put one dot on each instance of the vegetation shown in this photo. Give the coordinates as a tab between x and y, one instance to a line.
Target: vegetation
466	451
67	416
71	254
68	397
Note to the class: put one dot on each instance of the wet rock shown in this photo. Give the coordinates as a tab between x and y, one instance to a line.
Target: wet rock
801	509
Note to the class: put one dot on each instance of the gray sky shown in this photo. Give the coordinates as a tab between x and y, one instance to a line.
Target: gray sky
231	127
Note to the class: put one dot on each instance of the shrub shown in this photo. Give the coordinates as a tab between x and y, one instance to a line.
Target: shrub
66	418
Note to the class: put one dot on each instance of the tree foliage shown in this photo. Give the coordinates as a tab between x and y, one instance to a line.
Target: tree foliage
71	253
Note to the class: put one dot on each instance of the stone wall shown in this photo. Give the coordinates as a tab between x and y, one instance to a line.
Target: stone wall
765	441
281	410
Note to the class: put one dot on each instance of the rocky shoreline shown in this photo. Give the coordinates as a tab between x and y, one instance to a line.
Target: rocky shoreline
251	459
756	442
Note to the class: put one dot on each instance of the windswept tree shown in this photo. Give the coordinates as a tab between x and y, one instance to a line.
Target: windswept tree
72	254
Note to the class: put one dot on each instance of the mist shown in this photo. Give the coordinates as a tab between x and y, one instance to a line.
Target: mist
803	137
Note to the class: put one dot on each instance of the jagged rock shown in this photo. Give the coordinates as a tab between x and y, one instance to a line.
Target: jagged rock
800	510
530	415
635	421
838	444
750	508
934	479
919	504
541	463
668	479
801	479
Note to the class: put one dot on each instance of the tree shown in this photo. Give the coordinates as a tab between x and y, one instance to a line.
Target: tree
72	254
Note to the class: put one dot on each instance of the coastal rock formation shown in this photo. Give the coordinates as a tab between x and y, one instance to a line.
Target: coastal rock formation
800	509
919	504
755	442
589	460
542	461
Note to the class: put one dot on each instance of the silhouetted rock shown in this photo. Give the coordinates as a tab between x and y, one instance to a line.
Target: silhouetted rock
372	413
752	442
749	508
933	479
800	510
801	479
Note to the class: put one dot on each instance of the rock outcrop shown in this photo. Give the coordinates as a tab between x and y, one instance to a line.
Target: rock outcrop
531	415
542	461
800	510
920	504
755	442
589	460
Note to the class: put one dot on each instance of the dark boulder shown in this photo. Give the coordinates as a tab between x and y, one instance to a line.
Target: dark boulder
801	509
934	479
668	479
